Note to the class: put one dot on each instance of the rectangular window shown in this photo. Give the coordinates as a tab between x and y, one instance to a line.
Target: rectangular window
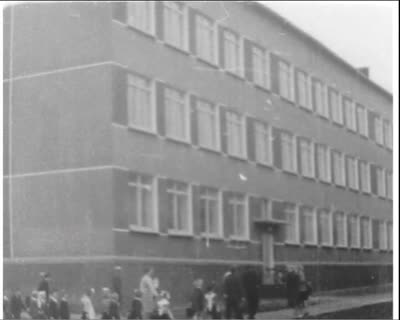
352	172
381	181
302	88
292	227
289	162
210	214
238	211
339	171
378	130
260	64
307	157
350	113
140	105
174	24
362	120
382	235
365	177
141	15
205	39
336	107
232	59
323	159
390	235
366	229
325	227
319	99
142	197
235	134
387	134
179	204
309	225
340	229
389	185
285	80
266	209
207	124
176	114
263	143
354	231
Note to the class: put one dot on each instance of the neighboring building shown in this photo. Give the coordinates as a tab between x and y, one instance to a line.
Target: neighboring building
189	137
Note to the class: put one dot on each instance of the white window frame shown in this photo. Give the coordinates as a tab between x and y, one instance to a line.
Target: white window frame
387	134
295	212
169	5
233	202
337	114
378	125
239	121
357	225
320	91
310	147
362	118
326	159
352	172
342	168
343	242
263	55
131	20
351	123
201	21
175	191
289	82
365	179
307	211
383	238
290	138
328	215
200	108
218	199
237	42
183	101
368	231
264	130
381	182
139	186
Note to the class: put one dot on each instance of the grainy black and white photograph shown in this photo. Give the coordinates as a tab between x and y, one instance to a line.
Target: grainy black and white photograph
200	160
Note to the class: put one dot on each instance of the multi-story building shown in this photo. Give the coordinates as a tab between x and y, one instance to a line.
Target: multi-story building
188	136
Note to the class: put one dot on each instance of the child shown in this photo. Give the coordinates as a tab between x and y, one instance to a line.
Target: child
114	306
212	311
136	307
64	306
163	307
197	299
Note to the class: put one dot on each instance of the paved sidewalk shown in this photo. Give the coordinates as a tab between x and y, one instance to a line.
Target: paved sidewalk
333	304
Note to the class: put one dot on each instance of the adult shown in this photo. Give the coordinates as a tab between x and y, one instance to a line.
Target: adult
16	305
251	286
88	312
292	288
233	294
148	292
117	282
44	284
303	293
53	309
64	306
197	299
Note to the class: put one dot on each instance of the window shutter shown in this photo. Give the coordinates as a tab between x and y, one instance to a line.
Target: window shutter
221	47
119	11
278	212
198	220
277	146
274	73
374	179
120	94
227	215
159	8
163	205
250	139
248	61
160	103
193	119
371	125
254	213
192	30
223	128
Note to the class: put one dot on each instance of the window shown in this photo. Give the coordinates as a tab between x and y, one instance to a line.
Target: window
381	182
309	225
140	105
354	231
350	113
366	232
288	152
235	134
323	159
352	173
292	227
266	209
387	134
179	206
176	114
319	99
174	20
382	235
325	227
378	130
231	45
307	158
340	229
339	173
207	124
362	120
263	143
365	177
302	89
389	185
285	80
205	39
141	15
336	107
390	235
260	64
210	214
238	211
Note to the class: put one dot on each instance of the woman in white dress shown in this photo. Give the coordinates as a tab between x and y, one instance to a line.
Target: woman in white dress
149	293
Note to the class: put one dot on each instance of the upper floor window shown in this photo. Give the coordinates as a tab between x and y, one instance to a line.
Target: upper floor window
237	208
325	227
210	213
339	172
309	225
205	38
289	162
141	15
174	24
362	120
263	143
350	114
285	80
306	157
235	134
336	107
231	52
141	111
207	124
179	206
387	134
381	182
319	99
340	229
352	172
260	64
323	162
292	227
303	98
176	114
365	176
378	130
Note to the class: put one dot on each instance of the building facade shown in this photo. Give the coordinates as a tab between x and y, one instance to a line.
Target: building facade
188	137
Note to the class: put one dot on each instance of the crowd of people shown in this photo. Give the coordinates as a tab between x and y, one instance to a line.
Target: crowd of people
235	296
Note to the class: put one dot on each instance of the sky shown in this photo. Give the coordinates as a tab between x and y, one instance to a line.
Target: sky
359	32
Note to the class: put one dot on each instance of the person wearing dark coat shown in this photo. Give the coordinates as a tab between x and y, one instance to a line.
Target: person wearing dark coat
292	287
117	283
233	294
251	286
136	307
44	284
113	311
16	305
53	308
197	299
64	308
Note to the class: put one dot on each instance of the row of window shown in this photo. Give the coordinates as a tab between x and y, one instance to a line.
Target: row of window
188	118
190	209
221	46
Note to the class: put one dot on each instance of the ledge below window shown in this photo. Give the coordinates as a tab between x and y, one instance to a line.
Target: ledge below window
139	229
177	233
